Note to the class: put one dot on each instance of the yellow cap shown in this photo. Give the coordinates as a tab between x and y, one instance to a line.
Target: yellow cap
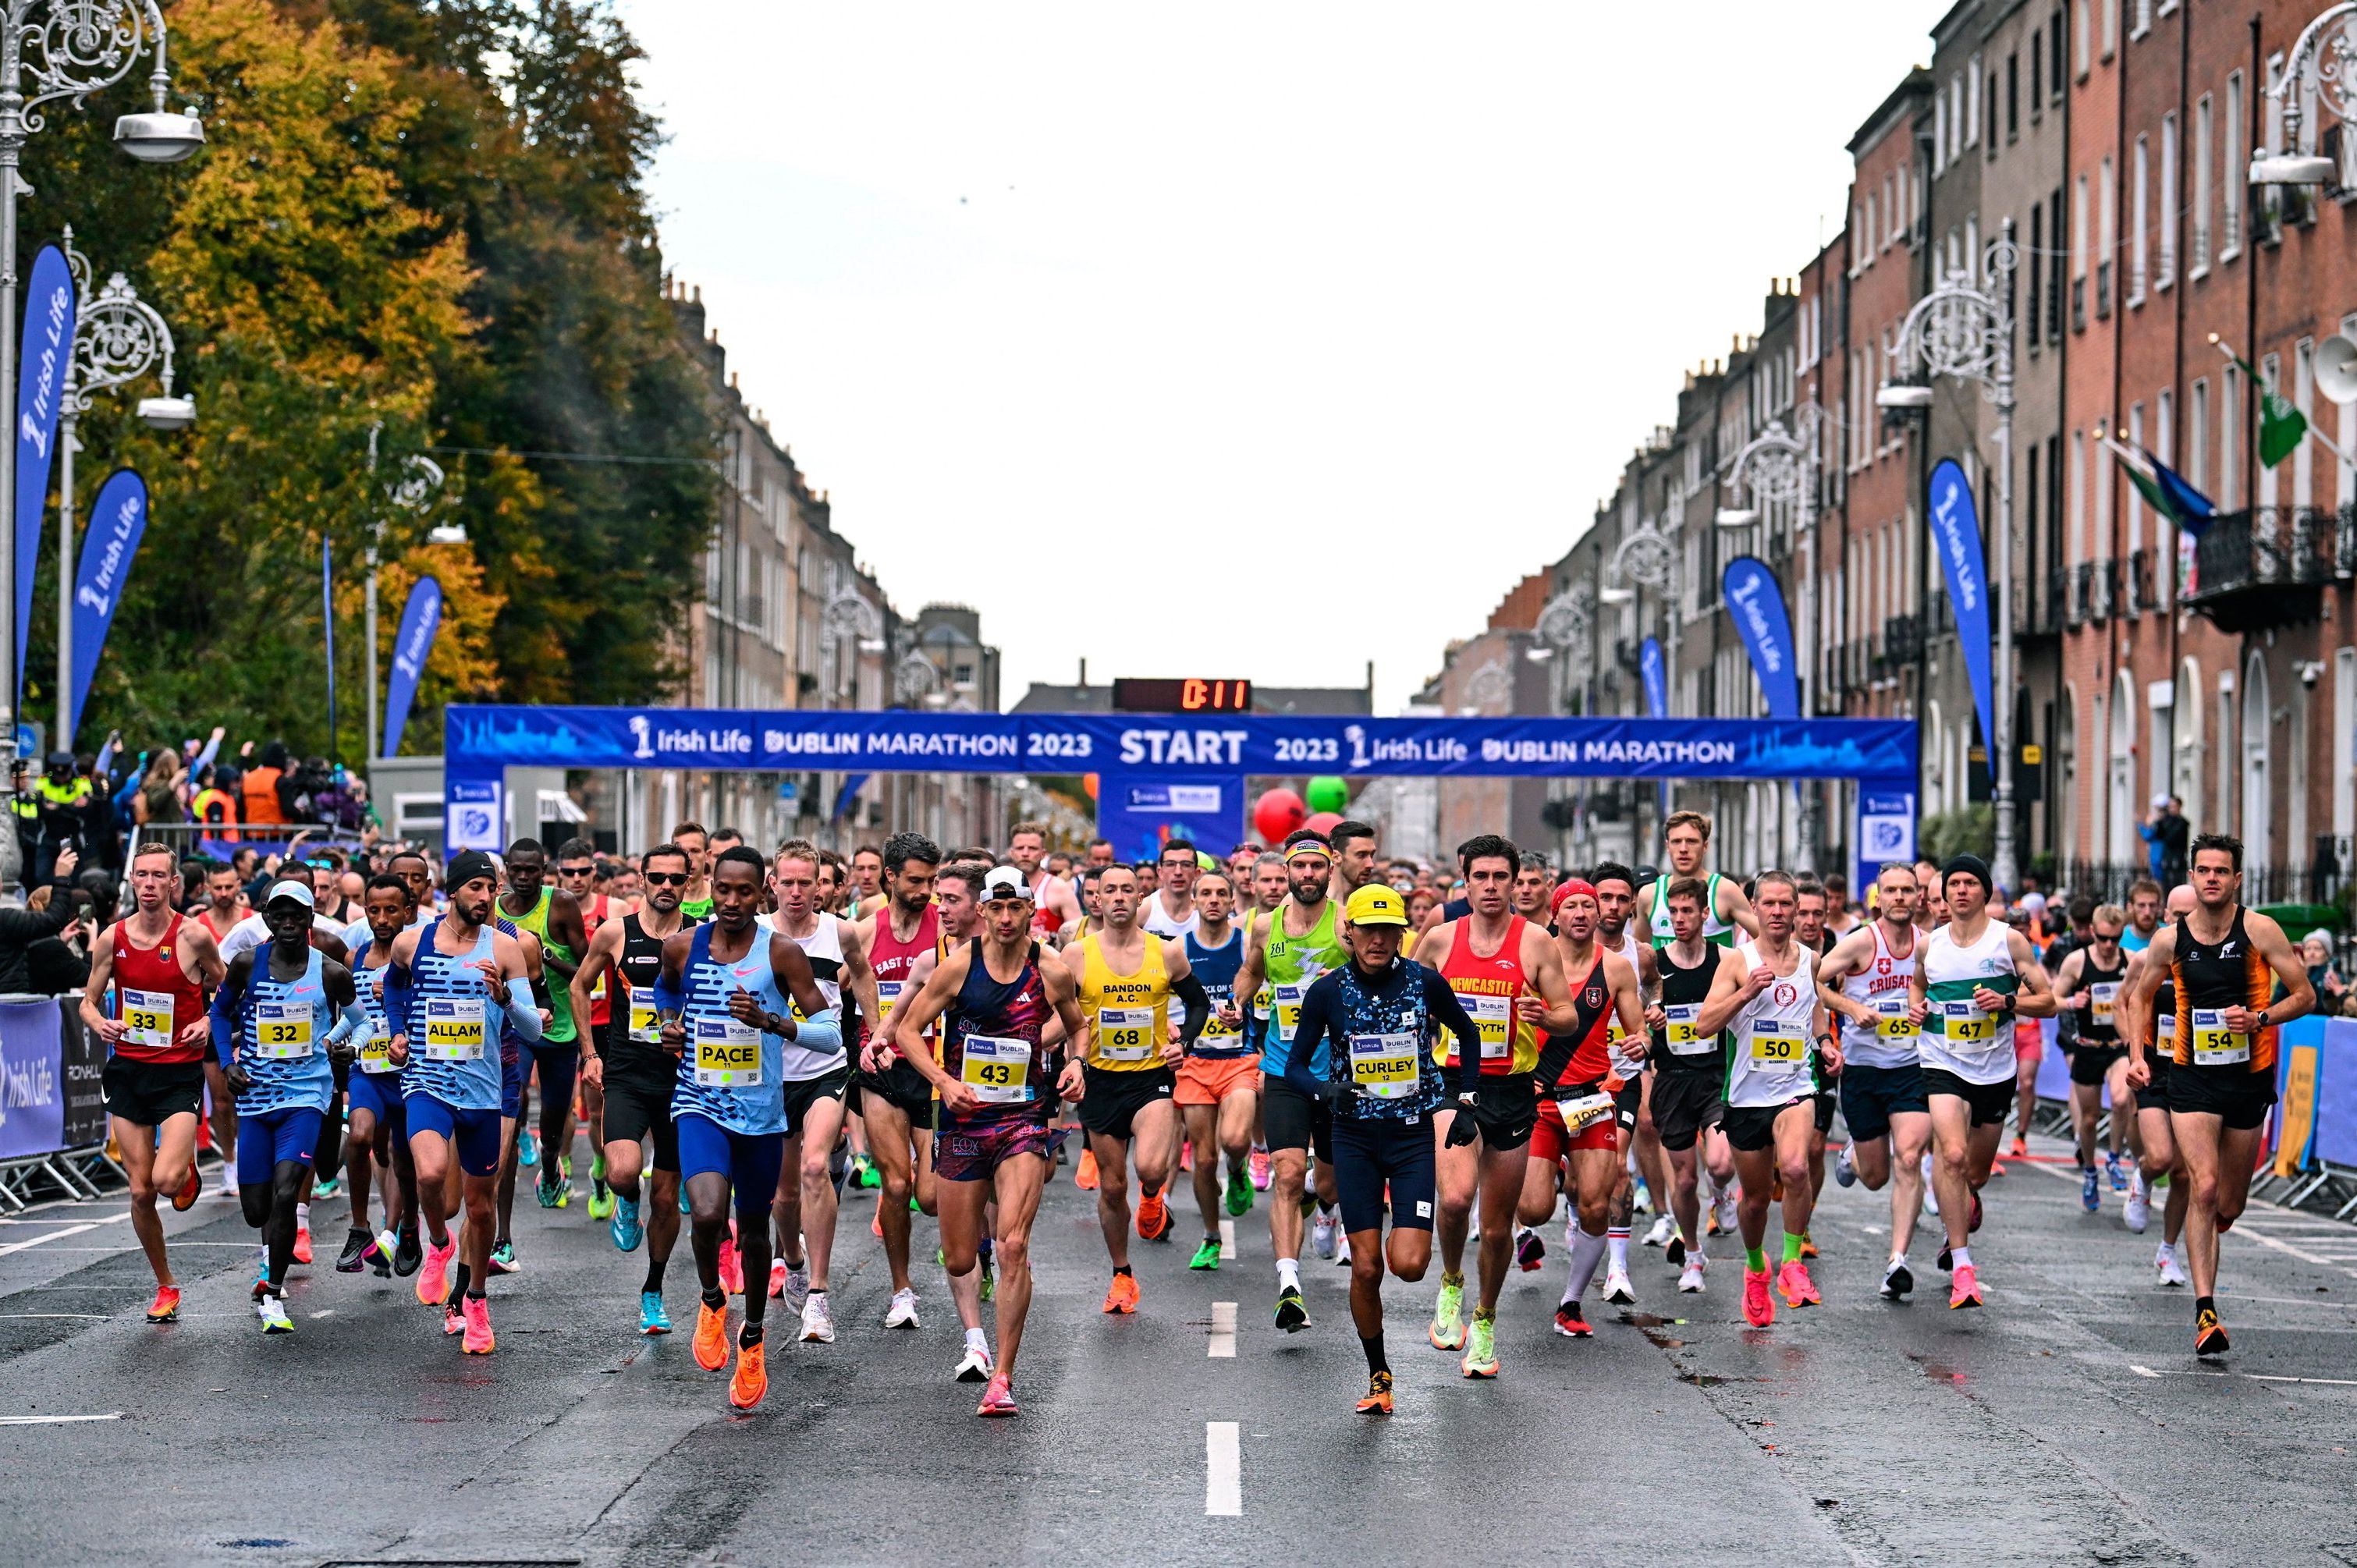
1376	904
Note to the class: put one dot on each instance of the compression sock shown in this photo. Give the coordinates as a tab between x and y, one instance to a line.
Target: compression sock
1755	1260
1376	1362
477	1293
1586	1251
749	1336
1122	1270
655	1267
1791	1248
1288	1273
1616	1238
718	1300
457	1283
1457	1279
2203	1303
1960	1258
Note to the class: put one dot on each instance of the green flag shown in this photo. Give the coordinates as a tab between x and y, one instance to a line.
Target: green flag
2281	426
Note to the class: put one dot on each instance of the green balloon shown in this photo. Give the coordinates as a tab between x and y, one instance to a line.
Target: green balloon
1329	794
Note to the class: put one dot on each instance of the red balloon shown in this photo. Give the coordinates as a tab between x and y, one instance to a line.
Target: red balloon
1089	782
1324	822
1276	813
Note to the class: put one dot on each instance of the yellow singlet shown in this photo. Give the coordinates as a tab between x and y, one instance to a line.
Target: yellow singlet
1130	1014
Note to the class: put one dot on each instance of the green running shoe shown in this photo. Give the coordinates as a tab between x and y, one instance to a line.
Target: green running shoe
1447	1331
1207	1256
552	1193
1481	1349
601	1198
1239	1192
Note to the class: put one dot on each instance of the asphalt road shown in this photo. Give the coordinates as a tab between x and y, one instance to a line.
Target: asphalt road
2068	1423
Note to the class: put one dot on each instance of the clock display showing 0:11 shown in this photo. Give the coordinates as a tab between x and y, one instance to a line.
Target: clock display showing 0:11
1194	694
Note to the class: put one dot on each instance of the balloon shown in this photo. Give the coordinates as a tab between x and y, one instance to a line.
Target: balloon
1276	813
1089	782
1328	793
1324	822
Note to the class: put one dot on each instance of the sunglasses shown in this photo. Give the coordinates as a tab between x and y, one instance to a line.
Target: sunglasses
576	871
663	878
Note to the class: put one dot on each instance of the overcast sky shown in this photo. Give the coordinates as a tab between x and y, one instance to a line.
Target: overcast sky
1349	312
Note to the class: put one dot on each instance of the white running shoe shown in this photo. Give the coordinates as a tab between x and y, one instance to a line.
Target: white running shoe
1725	1205
1845	1171
1931	1194
2138	1211
902	1312
818	1323
1663	1228
1342	1248
1690	1281
1322	1230
2171	1275
1616	1288
796	1294
975	1367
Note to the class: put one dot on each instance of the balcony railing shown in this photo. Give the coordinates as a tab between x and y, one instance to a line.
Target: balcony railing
2141	595
2050	610
1902	641
2082	590
2266	568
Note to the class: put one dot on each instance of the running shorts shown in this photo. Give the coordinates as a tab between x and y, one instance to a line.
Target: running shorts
515	1072
2154	1096
1828	1101
636	1109
1991	1102
1207	1080
1751	1128
1551	1138
1505	1108
266	1140
1294	1121
473	1133
1629	1100
378	1093
801	1095
2091	1061
1111	1101
749	1161
560	1069
1683	1104
1871	1096
902	1087
2240	1099
1381	1154
974	1152
147	1094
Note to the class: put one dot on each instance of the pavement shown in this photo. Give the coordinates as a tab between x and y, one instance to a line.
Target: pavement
2068	1423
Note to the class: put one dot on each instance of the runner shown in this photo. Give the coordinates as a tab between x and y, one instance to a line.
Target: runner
1632	1085
2157	1155
1489	960
1354	845
697	903
2144	916
1973	977
578	872
894	1099
1809	932
159	966
1687	1085
1269	886
732	998
1218	1088
2088	985
276	1021
636	1075
531	904
1534	886
1765	996
1288	949
1169	910
1054	905
866	880
1686	839
1124	978
1376	1020
224	908
1864	982
450	976
2225	962
373	1114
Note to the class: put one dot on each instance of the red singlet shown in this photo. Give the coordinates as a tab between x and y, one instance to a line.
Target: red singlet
154	973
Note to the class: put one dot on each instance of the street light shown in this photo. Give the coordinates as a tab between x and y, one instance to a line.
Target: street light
420	482
1780	467
1962	330
117	339
2336	89
53	49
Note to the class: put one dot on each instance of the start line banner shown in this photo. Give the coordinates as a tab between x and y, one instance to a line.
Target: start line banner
480	741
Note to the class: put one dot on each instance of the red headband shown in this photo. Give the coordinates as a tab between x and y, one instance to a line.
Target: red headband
1577	884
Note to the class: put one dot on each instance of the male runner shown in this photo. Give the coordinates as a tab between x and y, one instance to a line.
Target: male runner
896	1100
1354	844
553	916
1687	1085
1864	982
995	996
1809	932
637	1076
866	879
372	1112
224	908
1376	1020
159	967
1054	906
456	981
1124	978
1616	899
1973	977
1218	1088
2157	1154
1765	996
2087	984
577	873
1534	886
1686	839
697	904
1269	886
2225	962
1169	911
732	998
2144	916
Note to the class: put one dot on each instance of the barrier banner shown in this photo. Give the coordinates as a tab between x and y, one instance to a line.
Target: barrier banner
42	352
83	1057
1140	813
1956	538
1755	602
2336	1095
32	1078
118	519
2302	1054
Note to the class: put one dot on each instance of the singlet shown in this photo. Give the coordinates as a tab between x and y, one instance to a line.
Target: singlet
1775	1058
2212	977
560	997
2096	1020
1717	932
1152	916
281	1038
1488	989
1129	1013
376	1044
633	1039
1958	1037
154	1001
892	959
1045	922
595	913
697	909
1390	1072
990	1043
1216	968
1683	1047
1292	965
823	947
1892	1039
1626	951
2133	941
453	1054
729	1071
1590	1057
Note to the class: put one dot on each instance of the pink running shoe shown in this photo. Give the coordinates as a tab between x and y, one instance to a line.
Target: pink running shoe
732	1269
998	1398
1758	1306
434	1274
1964	1288
479	1340
1798	1290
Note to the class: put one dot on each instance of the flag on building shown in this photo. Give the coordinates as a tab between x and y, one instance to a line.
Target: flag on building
2165	489
2281	426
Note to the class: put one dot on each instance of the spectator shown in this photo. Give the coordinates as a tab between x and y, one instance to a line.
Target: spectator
261	792
59	797
216	804
158	800
20	930
59	962
2166	833
2317	948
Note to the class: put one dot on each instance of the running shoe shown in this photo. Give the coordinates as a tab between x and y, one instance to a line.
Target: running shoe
751	1380
1616	1288
860	1168
2119	1169
1722	1212
190	1189
551	1192
454	1317
1676	1253
1975	1224
408	1253
1085	1177
602	1199
1530	1252
1154	1221
527	1149
1123	1295
165	1307
378	1253
1943	1259
1207	1256
818	1322
327	1186
732	1268
1292	1315
711	1341
1322	1230
357	1242
1378	1399
1845	1169
1664	1228
1571	1323
684	1207
792	1287
902	1312
1342	1248
2137	1212
1758	1306
1931	1195
624	1229
2172	1273
652	1318
2020	1148
1798	1290
303	1244
2209	1334
1446	1331
1480	1349
1808	1245
434	1277
1965	1288
998	1398
272	1310
989	1272
479	1340
975	1365
1240	1194
2087	1198
1260	1175
504	1260
1898	1280
777	1278
1641	1197
1690	1281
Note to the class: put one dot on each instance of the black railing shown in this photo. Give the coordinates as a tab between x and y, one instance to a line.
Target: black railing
2261	568
2050	609
1902	641
2107	882
2140	580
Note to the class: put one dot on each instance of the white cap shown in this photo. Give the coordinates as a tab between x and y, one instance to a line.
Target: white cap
1005	882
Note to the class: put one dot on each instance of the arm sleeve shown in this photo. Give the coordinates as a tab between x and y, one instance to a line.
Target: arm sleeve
523	1012
1449	1013
1315	1023
822	1032
1198	1008
668	998
397	995
355	1020
224	1022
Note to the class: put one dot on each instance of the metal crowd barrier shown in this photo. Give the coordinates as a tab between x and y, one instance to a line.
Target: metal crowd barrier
52	1104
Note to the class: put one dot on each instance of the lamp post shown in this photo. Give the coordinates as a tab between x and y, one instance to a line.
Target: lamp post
1649	558
421	481
117	339
52	49
2336	89
1965	330
1780	467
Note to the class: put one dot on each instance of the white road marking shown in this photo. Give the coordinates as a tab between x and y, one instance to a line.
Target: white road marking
2221	1372
52	1236
2261	1237
1227	1240
97	1317
1223	1476
56	1420
1224	1331
324	1312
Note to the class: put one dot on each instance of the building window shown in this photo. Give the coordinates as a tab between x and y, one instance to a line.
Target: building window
2139	218
2037	77
2229	231
2078	532
2201	204
2036	271
2140	21
2086	31
2135	496
1939	134
2054	53
1973	103
2169	202
2229	439
2012	95
2197	454
2111	26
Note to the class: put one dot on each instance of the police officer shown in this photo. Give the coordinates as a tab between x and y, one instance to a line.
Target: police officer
60	797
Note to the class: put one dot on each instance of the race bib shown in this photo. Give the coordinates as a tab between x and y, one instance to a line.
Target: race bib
1215	1028
147	1019
1775	1042
998	1070
1585	1111
376	1048
2214	1044
727	1053
1679	1031
1384	1066
597	991
453	1029
2101	999
1890	1019
282	1030
2168	1026
646	1024
1966	1027
1494	1017
1289	994
888	992
1126	1034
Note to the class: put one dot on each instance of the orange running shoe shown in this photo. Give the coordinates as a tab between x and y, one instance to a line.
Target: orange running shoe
1123	1296
751	1379
434	1277
711	1337
2021	1148
1154	1220
1808	1248
165	1307
479	1340
1085	1176
1378	1399
190	1189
